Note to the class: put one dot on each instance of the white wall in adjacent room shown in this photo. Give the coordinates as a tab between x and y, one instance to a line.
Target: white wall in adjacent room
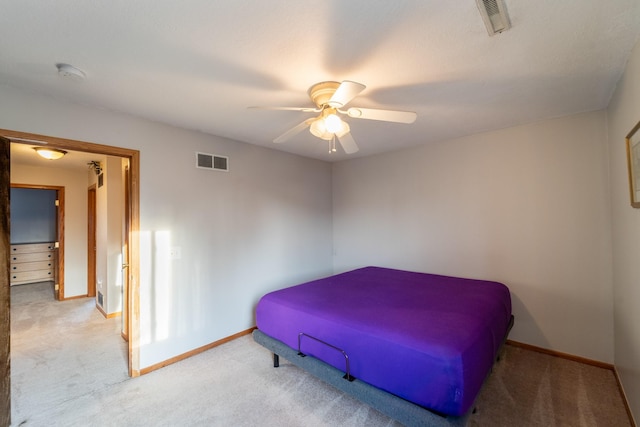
527	206
623	114
109	239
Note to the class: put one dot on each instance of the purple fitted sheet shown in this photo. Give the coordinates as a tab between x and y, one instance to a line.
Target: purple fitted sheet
426	338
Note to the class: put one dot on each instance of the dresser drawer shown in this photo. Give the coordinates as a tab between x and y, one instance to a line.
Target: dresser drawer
30	257
32	262
32	247
30	266
32	276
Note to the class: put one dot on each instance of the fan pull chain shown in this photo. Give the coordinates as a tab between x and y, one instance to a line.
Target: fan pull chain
332	144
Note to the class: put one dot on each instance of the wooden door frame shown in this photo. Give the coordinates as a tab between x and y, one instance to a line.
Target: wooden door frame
91	241
133	310
59	276
124	328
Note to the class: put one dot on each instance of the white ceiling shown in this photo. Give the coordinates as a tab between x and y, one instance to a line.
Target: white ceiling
23	154
199	64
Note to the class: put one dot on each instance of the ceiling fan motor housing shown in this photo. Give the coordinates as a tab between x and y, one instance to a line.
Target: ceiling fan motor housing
322	92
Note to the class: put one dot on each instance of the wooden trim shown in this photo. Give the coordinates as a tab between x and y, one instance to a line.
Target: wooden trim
126	259
36	186
104	313
134	243
91	241
133	315
65	144
195	351
60	212
567	356
632	185
101	310
76	297
624	398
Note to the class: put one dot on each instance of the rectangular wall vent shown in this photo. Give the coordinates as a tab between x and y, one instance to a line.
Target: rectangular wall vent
212	161
494	15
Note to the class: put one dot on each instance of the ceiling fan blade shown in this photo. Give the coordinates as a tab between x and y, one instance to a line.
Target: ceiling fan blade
304	109
382	115
348	143
345	93
294	130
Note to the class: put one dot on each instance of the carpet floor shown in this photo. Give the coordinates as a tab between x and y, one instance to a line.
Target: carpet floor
69	368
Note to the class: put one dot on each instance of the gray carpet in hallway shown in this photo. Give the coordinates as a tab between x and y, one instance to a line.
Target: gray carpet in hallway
69	369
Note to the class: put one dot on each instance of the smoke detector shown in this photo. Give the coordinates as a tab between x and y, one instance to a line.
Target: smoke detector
494	15
70	72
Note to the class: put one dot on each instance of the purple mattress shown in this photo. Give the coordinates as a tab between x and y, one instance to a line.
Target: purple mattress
429	339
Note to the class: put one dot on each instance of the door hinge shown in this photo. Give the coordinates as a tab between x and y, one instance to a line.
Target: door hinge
56	287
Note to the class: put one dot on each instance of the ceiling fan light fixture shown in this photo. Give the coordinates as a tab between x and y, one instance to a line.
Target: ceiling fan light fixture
319	129
328	125
333	123
50	153
344	129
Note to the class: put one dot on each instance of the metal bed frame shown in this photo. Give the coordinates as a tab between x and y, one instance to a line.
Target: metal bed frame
401	410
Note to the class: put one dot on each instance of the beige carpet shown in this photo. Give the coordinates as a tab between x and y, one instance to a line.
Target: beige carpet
543	390
69	369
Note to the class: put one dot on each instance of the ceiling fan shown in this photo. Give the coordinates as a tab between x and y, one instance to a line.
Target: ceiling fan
330	98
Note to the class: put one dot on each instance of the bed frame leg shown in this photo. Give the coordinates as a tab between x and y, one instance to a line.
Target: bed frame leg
276	360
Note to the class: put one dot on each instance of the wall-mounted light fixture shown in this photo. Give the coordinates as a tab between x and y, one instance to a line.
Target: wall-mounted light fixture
50	153
95	165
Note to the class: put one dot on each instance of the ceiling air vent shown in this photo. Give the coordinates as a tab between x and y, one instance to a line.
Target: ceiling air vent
494	15
212	161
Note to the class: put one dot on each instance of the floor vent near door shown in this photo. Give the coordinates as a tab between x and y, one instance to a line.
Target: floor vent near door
212	161
100	299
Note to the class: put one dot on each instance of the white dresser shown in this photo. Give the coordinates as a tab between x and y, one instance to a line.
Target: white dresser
32	262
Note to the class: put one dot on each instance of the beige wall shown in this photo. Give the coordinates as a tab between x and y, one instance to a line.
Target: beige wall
527	206
623	114
109	223
75	184
263	225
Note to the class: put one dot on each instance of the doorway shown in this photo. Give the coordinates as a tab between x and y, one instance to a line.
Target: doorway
132	219
43	224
